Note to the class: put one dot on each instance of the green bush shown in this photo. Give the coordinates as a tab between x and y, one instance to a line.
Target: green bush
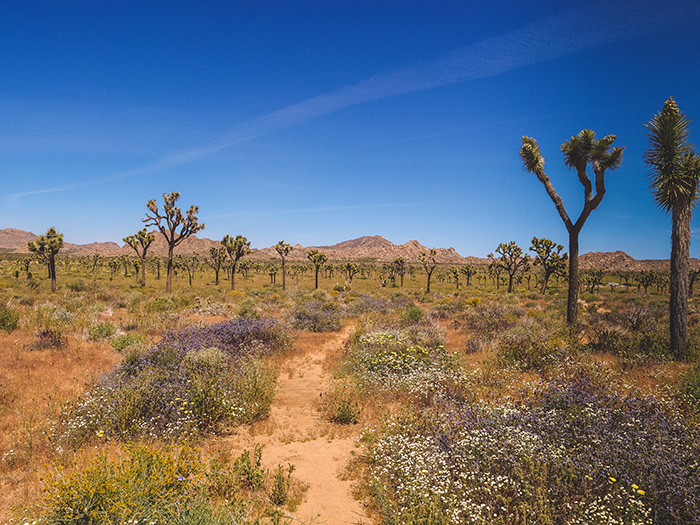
249	309
280	485
169	486
77	286
9	319
140	487
101	331
413	314
123	341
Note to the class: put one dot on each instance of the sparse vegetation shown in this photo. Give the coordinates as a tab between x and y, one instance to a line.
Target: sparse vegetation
419	376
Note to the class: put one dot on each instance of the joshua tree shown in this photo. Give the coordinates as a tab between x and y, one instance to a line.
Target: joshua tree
174	226
399	267
283	249
645	279
674	171
469	271
140	243
46	247
351	269
318	259
245	267
190	264
236	248
215	260
511	260
549	257
429	263
580	151
456	271
113	267
96	260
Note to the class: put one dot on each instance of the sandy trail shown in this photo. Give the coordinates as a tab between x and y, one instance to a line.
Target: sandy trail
295	433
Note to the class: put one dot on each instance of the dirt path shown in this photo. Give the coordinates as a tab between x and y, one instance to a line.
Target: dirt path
295	433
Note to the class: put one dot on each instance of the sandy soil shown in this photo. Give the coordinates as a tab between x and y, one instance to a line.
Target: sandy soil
295	433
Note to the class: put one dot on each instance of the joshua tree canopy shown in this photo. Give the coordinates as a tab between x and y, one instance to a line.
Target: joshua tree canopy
173	225
579	152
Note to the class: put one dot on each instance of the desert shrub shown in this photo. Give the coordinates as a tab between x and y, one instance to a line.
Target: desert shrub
121	342
413	314
315	316
360	303
204	306
170	303
400	363
530	346
140	487
193	381
77	286
248	308
9	319
341	405
48	339
167	486
491	319
101	331
476	344
633	347
281	485
572	453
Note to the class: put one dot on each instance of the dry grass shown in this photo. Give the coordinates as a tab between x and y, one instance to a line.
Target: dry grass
33	387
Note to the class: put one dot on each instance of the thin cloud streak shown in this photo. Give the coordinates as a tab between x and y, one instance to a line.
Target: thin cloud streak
560	35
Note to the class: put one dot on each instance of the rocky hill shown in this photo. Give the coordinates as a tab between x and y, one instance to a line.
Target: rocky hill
370	248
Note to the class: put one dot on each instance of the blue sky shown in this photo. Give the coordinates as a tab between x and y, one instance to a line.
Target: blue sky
317	122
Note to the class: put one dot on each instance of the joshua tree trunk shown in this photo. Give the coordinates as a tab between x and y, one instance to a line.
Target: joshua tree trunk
52	274
169	276
284	276
572	300
680	253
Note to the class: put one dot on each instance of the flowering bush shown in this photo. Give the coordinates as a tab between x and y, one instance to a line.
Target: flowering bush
315	316
168	487
194	380
574	453
411	361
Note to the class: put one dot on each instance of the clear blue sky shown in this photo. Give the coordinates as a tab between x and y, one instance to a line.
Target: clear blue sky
317	122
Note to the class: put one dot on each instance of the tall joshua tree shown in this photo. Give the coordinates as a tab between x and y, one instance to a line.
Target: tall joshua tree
140	243
318	259
674	171
174	226
46	247
236	248
283	249
579	152
429	263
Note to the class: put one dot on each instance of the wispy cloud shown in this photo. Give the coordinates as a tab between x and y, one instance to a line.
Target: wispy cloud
594	25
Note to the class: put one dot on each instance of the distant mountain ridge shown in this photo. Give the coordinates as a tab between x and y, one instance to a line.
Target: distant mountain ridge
371	248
